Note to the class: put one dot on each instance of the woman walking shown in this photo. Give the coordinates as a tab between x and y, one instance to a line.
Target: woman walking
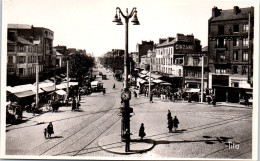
175	123
50	129
141	131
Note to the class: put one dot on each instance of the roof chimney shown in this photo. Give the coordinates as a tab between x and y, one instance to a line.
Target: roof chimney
215	12
236	10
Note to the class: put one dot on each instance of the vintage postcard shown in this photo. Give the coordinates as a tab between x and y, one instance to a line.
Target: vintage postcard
129	79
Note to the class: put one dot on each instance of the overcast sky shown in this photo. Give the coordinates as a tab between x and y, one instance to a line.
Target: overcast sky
87	24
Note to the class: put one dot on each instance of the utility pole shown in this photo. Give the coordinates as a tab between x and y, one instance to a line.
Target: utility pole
202	77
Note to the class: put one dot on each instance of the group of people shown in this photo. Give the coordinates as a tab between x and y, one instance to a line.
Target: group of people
48	131
172	122
163	92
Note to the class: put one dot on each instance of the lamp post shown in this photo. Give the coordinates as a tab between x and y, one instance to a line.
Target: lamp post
126	96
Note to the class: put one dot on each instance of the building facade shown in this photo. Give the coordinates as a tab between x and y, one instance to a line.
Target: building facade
170	53
230	45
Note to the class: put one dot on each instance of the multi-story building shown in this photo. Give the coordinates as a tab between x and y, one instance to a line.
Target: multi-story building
170	53
142	49
61	49
230	45
24	44
193	65
22	58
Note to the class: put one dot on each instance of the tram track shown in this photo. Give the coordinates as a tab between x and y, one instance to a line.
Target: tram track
92	127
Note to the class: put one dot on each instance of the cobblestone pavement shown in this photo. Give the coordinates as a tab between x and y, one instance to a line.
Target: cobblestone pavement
224	131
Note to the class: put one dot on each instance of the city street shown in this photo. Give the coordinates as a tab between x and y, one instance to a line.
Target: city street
204	131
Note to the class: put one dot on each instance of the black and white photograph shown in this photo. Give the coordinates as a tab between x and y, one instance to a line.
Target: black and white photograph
129	79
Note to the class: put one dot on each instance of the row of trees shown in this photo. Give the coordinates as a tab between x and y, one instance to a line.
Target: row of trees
114	63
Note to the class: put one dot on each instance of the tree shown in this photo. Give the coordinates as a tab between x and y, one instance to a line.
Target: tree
79	66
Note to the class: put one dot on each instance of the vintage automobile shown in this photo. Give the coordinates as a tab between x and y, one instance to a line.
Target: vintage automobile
96	86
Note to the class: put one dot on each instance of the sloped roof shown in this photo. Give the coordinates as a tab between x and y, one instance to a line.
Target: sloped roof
10	42
19	26
166	43
23	41
230	15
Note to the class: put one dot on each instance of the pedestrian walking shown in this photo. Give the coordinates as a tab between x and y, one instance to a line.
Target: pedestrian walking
169	115
151	98
246	101
175	123
45	132
170	124
141	131
50	129
214	101
114	86
135	94
74	104
127	140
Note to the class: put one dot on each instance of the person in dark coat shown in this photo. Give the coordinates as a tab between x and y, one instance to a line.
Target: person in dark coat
45	132
114	86
175	123
74	104
127	140
151	98
50	129
170	124
214	101
135	94
141	131
169	115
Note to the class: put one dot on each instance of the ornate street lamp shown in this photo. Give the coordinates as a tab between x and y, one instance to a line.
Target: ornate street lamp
126	96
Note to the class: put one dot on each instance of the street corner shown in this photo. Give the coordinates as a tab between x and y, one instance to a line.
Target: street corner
113	144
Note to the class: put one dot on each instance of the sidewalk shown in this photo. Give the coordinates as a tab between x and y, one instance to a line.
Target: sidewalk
227	104
113	144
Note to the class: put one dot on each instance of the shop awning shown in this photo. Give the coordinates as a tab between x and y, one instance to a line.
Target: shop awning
144	72
158	81
166	84
143	81
192	90
142	75
24	94
156	76
39	91
61	92
48	89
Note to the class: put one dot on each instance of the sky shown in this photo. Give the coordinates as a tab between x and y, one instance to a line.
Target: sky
87	24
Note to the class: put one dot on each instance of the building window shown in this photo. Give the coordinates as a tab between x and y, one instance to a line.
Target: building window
21	59
235	70
220	42
245	41
221	30
245	28
195	62
235	55
245	56
244	70
20	71
11	48
21	48
235	42
10	59
234	84
220	71
236	28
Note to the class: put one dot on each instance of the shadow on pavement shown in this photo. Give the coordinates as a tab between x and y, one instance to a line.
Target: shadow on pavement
55	137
